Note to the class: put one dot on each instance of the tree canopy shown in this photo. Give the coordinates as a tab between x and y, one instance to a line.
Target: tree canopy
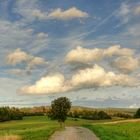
59	109
137	115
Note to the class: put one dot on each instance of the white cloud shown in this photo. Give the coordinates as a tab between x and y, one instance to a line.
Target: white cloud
13	36
31	11
39	15
127	13
36	61
95	77
98	77
19	56
67	14
126	64
124	13
133	106
48	84
84	55
16	57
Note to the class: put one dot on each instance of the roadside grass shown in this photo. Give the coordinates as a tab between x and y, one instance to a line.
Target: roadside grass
118	131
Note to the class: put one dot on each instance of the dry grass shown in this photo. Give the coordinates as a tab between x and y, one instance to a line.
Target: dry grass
10	137
123	121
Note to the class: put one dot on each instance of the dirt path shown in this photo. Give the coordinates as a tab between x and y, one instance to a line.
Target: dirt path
74	133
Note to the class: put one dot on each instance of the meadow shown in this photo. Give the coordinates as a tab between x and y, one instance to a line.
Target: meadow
41	128
117	131
36	127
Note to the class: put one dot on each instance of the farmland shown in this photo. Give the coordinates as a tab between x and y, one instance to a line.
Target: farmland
117	131
40	128
36	127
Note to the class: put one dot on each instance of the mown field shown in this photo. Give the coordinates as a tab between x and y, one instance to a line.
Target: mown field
117	131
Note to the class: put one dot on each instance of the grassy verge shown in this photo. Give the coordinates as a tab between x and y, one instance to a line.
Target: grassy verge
119	131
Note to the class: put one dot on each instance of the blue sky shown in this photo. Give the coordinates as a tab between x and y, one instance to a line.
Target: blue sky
85	50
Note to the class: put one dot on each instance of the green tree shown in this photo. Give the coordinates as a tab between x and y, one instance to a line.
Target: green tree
137	115
59	109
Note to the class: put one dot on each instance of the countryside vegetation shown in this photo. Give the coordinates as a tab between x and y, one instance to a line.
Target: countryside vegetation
39	123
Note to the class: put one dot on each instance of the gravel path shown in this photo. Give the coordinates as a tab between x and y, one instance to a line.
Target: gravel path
74	133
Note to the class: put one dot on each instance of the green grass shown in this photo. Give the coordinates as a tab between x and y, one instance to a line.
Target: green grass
37	127
40	128
121	131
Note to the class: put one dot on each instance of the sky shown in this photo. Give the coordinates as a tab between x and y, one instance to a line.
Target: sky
86	50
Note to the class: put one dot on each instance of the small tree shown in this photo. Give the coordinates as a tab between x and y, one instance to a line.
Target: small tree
59	109
137	115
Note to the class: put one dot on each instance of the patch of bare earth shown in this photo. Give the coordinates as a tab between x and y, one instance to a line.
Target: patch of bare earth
74	133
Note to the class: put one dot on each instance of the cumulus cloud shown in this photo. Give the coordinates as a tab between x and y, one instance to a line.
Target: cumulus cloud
84	55
98	77
126	64
95	77
31	11
19	56
48	84
67	14
16	57
36	61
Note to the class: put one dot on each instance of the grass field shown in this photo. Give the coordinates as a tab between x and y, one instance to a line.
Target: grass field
117	131
36	127
40	128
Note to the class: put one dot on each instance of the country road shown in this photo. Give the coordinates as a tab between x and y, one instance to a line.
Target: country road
74	133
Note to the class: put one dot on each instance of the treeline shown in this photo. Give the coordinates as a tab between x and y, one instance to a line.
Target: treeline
35	111
91	115
81	112
7	113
